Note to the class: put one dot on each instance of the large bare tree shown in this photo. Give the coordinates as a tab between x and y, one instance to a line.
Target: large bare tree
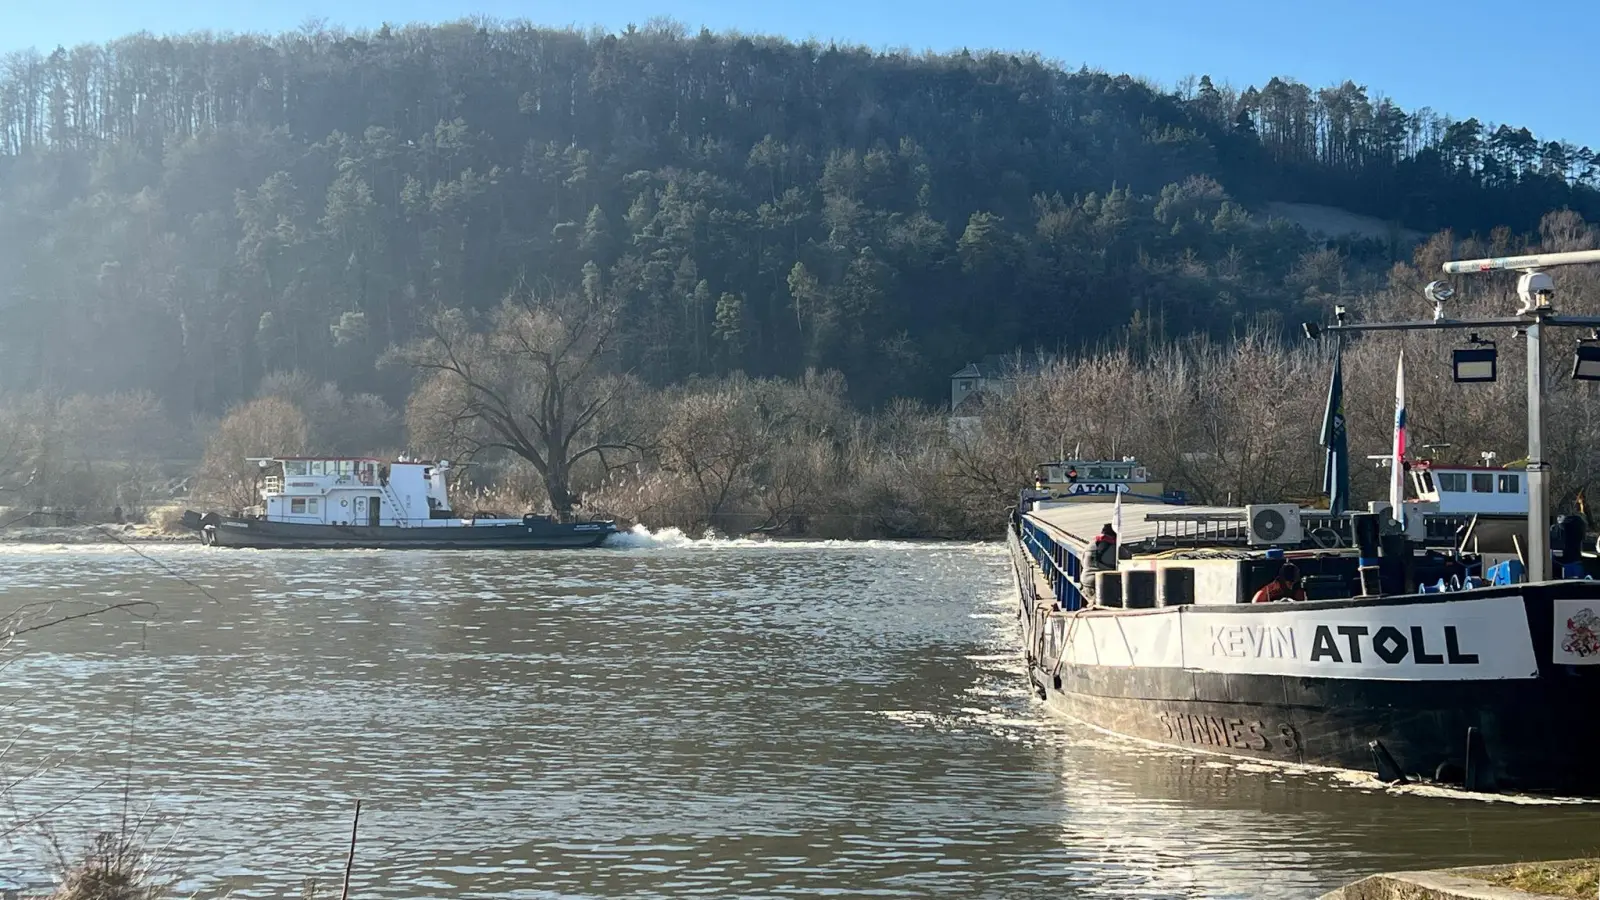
535	382
266	426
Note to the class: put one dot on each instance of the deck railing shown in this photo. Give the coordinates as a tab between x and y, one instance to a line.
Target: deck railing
1060	565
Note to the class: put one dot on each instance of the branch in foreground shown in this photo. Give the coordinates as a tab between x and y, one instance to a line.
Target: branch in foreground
113	607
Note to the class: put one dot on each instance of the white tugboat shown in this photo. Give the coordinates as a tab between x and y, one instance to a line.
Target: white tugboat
362	502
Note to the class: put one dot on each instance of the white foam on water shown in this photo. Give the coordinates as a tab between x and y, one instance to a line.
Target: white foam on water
640	537
1368	781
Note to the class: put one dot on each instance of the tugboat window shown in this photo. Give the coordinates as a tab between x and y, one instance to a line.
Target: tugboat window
294	467
1510	484
297	506
311	506
1453	482
1482	483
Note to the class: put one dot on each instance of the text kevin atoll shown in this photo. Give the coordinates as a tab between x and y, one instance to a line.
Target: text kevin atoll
1388	644
1485	639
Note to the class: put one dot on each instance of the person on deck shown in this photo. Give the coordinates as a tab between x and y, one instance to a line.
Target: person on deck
1072	477
1103	553
1285	587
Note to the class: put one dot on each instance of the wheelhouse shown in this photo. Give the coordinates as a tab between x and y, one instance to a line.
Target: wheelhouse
1096	480
1471	490
354	491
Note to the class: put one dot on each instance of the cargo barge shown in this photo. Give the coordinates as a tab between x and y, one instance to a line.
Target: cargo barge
1413	654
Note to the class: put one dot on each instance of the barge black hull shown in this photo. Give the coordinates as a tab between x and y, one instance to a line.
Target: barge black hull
529	535
1534	734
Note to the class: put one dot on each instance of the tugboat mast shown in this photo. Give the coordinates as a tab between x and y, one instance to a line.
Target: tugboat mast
1536	290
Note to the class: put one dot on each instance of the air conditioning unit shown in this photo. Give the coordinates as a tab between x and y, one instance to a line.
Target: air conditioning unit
1274	523
1385	513
1416	528
1417	512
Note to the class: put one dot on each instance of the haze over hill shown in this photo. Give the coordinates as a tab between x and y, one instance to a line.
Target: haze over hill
195	222
187	215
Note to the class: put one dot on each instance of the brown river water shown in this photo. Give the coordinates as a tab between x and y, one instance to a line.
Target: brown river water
668	718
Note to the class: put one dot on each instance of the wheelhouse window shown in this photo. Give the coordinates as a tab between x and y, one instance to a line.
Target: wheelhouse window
1453	482
295	467
1482	483
1510	484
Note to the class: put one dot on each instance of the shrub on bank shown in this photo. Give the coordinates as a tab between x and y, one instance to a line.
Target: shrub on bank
114	867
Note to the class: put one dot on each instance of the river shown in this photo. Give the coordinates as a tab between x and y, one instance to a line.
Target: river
669	718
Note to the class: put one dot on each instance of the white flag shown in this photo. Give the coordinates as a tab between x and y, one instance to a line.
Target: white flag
1397	471
1116	513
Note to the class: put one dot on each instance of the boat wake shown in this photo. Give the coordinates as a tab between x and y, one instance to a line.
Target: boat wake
672	538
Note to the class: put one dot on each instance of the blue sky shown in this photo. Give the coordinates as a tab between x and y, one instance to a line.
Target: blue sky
1464	58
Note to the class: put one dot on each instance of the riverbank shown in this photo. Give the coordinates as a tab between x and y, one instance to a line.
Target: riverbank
1569	879
93	534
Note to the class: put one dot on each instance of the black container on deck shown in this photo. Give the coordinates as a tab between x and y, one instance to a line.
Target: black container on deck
1175	586
1138	589
1108	588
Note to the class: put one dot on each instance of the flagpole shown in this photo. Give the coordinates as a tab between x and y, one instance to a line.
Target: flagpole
1397	475
1335	475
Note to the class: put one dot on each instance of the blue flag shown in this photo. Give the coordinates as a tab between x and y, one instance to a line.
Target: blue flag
1336	474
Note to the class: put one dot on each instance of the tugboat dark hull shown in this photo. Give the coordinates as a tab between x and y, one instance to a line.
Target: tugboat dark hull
530	534
1491	689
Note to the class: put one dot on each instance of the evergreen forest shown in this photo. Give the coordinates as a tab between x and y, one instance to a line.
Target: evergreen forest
195	222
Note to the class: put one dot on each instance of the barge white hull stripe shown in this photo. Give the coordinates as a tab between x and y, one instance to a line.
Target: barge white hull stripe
1464	640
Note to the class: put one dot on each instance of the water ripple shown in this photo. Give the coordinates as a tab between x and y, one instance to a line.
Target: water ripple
666	718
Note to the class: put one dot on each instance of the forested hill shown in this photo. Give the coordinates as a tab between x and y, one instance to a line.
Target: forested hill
187	215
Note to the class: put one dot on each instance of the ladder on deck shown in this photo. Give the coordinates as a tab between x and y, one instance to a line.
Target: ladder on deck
400	516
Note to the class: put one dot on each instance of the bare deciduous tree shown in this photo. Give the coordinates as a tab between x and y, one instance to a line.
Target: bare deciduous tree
715	438
534	384
269	426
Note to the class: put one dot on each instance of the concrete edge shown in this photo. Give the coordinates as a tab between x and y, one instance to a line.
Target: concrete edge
1437	884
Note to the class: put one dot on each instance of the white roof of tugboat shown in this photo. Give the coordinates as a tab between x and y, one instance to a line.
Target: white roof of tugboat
371	459
313	458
